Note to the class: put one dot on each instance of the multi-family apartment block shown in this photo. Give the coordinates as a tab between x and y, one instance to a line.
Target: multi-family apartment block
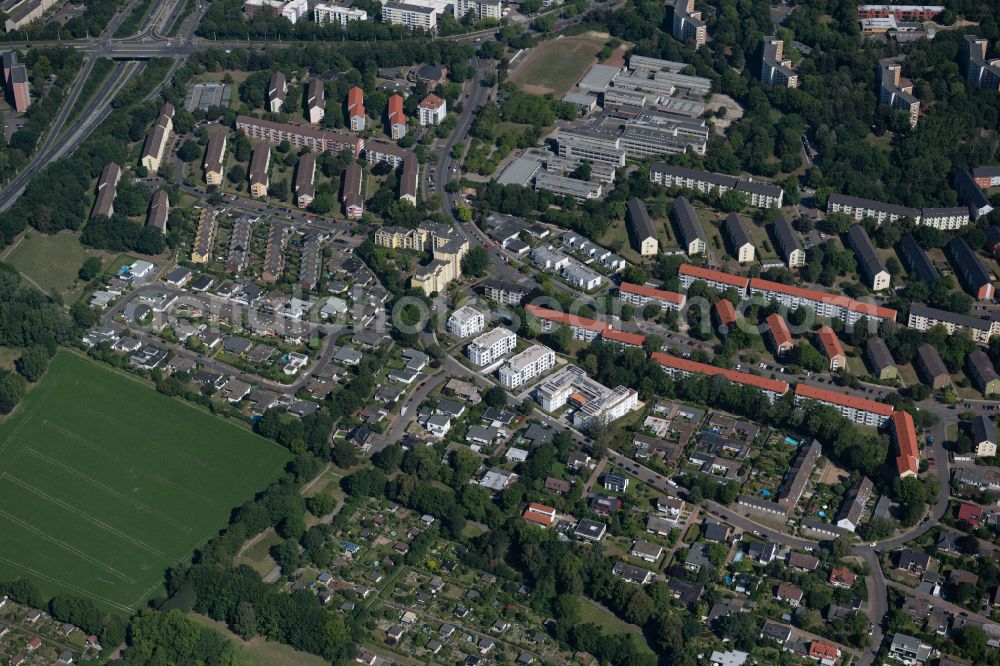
759	195
640	295
982	373
905	435
505	293
356	108
316	101
277	88
300	136
860	410
390	153
432	110
581	327
832	306
775	69
491	346
215	158
872	269
415	17
292	10
107	190
923	318
305	174
448	249
527	365
895	91
831	348
721	282
689	230
980	72
156	141
354	202
687	25
900	12
679	368
480	9
466	321
19	87
396	118
788	243
974	278
738	239
260	162
596	403
159	211
640	229
986	176
274	253
324	13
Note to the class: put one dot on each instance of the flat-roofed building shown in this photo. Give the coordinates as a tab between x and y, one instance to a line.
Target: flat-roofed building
354	202
414	17
277	88
292	10
831	348
640	228
788	243
981	371
107	190
689	229
581	190
775	69
316	101
860	410
466	321
970	271
980	72
491	346
159	210
581	277
479	9
678	367
640	295
215	158
527	365
156	141
687	24
300	136
917	263
600	145
738	239
260	162
880	360
872	268
327	13
305	174
595	402
931	368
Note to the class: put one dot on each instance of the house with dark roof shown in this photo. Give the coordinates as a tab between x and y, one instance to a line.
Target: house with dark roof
931	368
880	360
689	231
871	266
787	242
984	436
980	369
640	228
974	278
849	516
916	261
738	239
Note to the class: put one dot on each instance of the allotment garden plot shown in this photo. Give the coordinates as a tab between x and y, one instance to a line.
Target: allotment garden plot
104	483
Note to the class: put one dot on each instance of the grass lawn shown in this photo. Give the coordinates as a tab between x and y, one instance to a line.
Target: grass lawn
259	651
106	483
52	262
556	65
258	556
597	614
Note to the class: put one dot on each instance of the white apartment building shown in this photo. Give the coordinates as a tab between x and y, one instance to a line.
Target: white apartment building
491	346
432	110
292	10
527	365
595	402
581	277
411	16
862	411
480	9
466	321
323	13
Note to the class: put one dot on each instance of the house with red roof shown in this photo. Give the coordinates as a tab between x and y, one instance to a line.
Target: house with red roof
539	514
832	349
779	335
825	653
970	514
860	410
678	367
640	295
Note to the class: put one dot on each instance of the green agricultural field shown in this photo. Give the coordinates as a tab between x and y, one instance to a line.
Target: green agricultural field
104	483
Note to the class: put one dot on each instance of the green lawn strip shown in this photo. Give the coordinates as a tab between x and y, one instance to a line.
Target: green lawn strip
106	482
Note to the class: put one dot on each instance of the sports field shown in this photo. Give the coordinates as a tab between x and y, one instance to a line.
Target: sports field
556	65
104	483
